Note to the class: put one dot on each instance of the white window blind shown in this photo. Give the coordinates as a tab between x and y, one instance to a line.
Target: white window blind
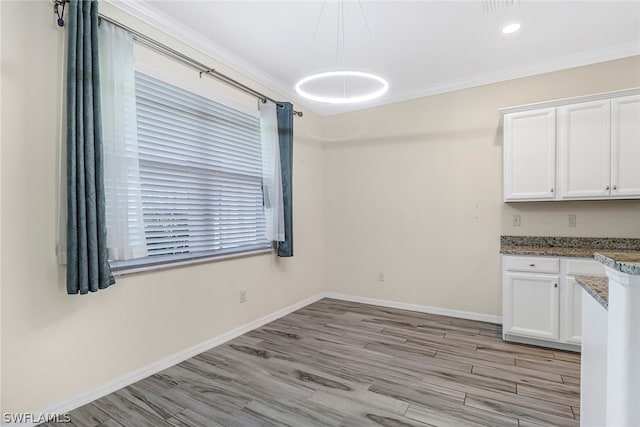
200	173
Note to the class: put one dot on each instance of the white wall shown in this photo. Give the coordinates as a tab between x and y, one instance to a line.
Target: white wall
55	346
414	190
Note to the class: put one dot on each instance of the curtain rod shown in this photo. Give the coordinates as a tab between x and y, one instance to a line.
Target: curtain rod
199	66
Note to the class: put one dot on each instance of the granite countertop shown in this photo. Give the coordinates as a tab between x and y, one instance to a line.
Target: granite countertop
624	261
547	251
597	287
621	254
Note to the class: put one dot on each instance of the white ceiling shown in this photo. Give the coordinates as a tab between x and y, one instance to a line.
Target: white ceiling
420	47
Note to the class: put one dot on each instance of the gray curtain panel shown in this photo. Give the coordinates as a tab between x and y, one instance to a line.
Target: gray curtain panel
87	260
285	138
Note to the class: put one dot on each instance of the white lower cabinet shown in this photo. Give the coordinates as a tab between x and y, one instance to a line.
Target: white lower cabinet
531	308
572	321
571	295
541	301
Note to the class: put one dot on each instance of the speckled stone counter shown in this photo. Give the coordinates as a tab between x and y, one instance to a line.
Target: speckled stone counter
621	249
572	242
623	261
597	287
547	251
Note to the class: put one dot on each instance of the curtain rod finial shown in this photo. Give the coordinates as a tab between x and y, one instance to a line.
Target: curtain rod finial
56	10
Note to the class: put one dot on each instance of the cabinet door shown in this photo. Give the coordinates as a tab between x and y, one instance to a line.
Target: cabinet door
531	305
625	146
571	296
572	308
529	155
584	157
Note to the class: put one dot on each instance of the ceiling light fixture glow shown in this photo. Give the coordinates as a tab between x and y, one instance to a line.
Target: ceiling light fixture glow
384	86
511	28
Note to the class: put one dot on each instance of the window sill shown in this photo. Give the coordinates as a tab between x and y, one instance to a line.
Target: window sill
143	267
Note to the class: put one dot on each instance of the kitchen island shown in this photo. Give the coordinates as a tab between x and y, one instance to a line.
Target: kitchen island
610	373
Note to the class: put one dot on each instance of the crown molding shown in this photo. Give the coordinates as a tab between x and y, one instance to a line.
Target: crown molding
510	73
579	59
568	101
183	34
162	22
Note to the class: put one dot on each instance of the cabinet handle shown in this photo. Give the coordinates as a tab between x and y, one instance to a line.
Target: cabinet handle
552	190
615	187
532	265
607	188
555	285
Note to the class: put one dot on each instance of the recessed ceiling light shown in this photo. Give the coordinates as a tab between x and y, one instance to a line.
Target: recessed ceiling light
511	28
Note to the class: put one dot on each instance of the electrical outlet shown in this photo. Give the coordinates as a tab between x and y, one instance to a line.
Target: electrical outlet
572	221
243	296
516	221
381	277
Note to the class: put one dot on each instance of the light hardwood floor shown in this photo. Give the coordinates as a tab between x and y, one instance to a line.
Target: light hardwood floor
337	363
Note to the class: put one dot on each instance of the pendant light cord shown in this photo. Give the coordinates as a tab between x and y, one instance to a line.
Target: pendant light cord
344	78
338	33
340	53
366	24
313	39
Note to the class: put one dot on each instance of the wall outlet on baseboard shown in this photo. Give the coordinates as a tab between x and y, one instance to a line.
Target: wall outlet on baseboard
572	221
516	221
381	277
243	296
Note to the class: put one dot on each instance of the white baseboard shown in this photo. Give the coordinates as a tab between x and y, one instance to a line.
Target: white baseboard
419	308
167	362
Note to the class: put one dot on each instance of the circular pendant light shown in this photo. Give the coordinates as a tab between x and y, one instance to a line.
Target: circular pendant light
343	85
383	87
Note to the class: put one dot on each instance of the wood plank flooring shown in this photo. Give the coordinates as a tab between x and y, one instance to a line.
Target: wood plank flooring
337	363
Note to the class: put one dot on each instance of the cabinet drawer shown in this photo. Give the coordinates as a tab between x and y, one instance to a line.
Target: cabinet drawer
532	264
585	267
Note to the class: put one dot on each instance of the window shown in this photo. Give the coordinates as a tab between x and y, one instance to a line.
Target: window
200	175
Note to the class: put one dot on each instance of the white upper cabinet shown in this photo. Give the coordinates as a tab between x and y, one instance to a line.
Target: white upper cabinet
571	150
625	146
584	154
529	155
